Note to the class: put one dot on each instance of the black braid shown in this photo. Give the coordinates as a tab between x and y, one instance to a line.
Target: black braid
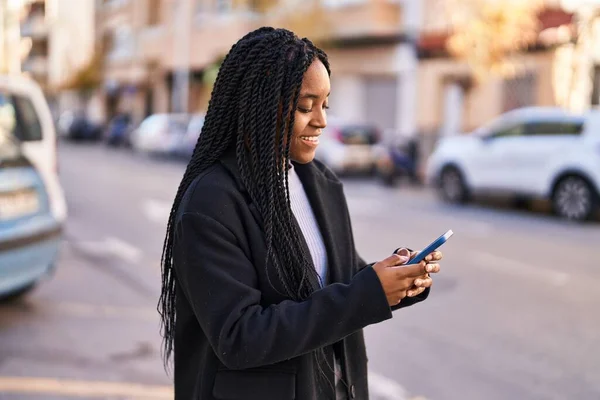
251	112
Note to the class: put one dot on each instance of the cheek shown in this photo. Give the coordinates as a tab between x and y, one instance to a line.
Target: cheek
300	123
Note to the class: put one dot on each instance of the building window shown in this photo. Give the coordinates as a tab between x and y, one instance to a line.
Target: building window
342	3
223	6
519	92
596	87
20	117
123	43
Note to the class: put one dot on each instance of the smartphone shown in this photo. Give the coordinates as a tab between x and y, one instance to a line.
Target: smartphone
431	248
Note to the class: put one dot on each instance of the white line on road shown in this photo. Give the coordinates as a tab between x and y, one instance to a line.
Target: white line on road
85	310
112	246
381	387
156	211
86	389
514	267
124	250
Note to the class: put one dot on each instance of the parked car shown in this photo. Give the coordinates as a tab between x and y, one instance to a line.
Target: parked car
30	233
349	147
64	122
184	148
531	153
84	129
159	133
119	131
399	160
24	112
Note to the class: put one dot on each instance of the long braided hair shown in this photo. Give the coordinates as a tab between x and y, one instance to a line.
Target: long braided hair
251	112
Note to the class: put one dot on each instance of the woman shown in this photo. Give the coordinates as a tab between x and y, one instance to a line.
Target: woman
264	296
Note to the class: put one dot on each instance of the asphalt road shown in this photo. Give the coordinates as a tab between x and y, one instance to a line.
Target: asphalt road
513	315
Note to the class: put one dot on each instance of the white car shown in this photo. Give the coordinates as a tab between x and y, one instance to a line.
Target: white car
160	133
532	152
25	113
349	147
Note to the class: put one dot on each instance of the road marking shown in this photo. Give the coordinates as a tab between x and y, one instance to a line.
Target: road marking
507	265
86	389
365	206
381	387
95	311
156	211
83	310
114	246
124	250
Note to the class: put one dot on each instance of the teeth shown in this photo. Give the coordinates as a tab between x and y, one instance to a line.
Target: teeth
310	138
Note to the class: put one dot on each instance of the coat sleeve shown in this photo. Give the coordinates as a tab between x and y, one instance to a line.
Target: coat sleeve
220	283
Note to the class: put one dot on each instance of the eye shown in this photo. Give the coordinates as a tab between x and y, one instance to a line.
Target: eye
304	110
326	107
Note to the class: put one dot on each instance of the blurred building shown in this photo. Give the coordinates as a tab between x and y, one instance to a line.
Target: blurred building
453	102
154	43
10	39
60	38
389	59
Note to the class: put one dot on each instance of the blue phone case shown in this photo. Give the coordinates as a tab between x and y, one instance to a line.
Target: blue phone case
431	248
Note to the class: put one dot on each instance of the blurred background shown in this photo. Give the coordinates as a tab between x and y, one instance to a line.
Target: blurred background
479	116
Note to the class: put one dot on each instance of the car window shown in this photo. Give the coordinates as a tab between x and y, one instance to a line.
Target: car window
9	149
20	117
555	128
510	131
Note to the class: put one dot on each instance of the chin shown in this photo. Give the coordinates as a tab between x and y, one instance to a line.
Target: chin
303	158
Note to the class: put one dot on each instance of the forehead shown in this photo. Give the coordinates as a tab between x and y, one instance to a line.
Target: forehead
316	79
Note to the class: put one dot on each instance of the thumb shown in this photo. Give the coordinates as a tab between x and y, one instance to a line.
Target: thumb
394	260
404	253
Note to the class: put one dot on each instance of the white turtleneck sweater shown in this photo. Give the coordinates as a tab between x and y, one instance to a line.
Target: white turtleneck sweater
312	234
308	224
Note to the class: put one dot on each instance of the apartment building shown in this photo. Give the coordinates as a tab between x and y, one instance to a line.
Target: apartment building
370	43
390	65
453	102
58	36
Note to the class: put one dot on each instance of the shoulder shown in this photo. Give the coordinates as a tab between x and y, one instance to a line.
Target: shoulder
214	193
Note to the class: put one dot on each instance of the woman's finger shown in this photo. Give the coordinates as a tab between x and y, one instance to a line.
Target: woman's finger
423	283
433	268
434	256
415	292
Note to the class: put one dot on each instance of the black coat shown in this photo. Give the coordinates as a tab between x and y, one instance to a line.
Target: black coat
236	336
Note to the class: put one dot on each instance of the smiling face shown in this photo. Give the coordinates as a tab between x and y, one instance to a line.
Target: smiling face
311	115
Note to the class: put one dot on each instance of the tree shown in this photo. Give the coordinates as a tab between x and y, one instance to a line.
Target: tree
88	77
487	33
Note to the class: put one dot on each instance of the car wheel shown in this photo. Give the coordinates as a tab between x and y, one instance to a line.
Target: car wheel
17	294
573	198
452	187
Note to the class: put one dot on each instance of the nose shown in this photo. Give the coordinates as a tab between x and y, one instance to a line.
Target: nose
320	120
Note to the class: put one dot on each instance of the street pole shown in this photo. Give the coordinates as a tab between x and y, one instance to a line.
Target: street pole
181	72
407	69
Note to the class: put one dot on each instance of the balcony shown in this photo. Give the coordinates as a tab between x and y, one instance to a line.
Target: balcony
363	19
211	37
342	20
35	27
36	66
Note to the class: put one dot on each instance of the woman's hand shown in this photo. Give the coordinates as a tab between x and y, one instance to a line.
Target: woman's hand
397	280
424	281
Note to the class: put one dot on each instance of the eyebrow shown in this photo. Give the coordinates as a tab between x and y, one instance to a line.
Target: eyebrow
311	96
